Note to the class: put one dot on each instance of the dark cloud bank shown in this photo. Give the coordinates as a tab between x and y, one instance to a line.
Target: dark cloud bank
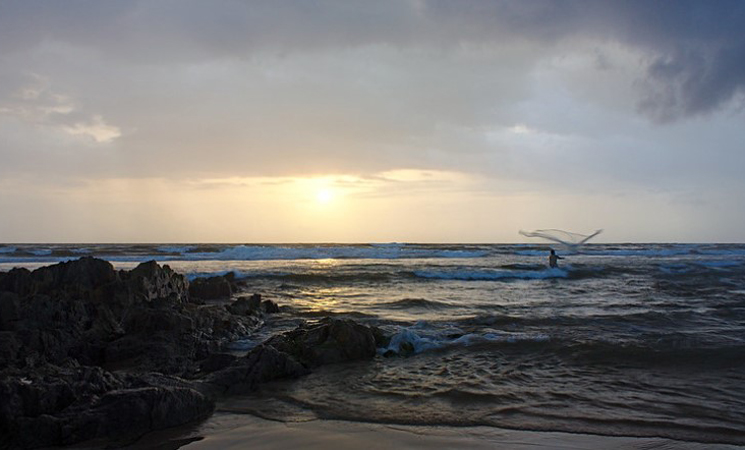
696	49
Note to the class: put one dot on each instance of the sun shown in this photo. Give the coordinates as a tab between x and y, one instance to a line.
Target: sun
324	196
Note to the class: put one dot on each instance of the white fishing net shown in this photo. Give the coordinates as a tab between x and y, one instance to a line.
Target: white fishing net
561	237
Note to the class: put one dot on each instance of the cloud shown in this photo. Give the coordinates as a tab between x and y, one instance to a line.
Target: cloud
28	97
689	83
695	50
95	128
192	89
31	99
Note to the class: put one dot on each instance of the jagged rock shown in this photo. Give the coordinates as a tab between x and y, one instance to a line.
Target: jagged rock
18	281
9	347
143	410
212	288
245	305
77	308
81	278
216	361
151	282
292	354
9	307
252	305
263	363
29	400
64	327
326	342
62	405
269	307
53	411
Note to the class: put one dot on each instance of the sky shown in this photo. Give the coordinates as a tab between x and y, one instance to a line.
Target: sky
371	121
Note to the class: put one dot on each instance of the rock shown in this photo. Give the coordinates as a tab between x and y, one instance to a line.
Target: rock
252	305
269	307
381	339
60	406
77	308
151	282
143	410
82	278
64	327
262	364
18	281
212	288
245	305
292	354
9	308
9	348
326	342
28	399
216	361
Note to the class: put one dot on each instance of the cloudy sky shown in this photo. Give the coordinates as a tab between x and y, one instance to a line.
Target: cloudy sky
371	121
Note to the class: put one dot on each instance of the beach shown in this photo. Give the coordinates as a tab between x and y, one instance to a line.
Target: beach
409	345
226	431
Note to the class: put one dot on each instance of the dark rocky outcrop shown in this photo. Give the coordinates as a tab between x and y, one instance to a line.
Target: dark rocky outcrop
246	305
252	305
66	405
220	287
264	363
327	342
295	353
86	310
88	352
65	327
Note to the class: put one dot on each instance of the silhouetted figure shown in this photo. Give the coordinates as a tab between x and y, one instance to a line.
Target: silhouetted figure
553	258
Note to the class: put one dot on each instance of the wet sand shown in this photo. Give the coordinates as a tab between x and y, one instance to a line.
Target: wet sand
255	433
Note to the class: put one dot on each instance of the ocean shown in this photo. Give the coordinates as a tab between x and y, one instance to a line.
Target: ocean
623	339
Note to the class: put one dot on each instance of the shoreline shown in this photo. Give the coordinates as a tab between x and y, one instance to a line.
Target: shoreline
151	376
238	431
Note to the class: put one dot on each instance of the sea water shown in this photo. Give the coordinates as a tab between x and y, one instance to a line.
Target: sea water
632	339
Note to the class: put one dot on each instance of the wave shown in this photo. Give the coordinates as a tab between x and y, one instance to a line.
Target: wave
413	340
176	249
329	277
719	264
388	251
410	303
491	275
392	251
201	252
662	352
651	251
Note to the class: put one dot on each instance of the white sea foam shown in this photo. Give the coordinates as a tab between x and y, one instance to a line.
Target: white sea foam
418	343
418	340
176	249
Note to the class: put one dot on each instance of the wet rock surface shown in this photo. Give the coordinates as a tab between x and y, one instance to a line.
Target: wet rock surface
326	342
88	352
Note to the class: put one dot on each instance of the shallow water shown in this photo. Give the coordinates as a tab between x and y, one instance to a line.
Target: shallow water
640	340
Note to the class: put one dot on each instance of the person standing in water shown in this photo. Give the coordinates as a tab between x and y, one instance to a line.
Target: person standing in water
553	258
